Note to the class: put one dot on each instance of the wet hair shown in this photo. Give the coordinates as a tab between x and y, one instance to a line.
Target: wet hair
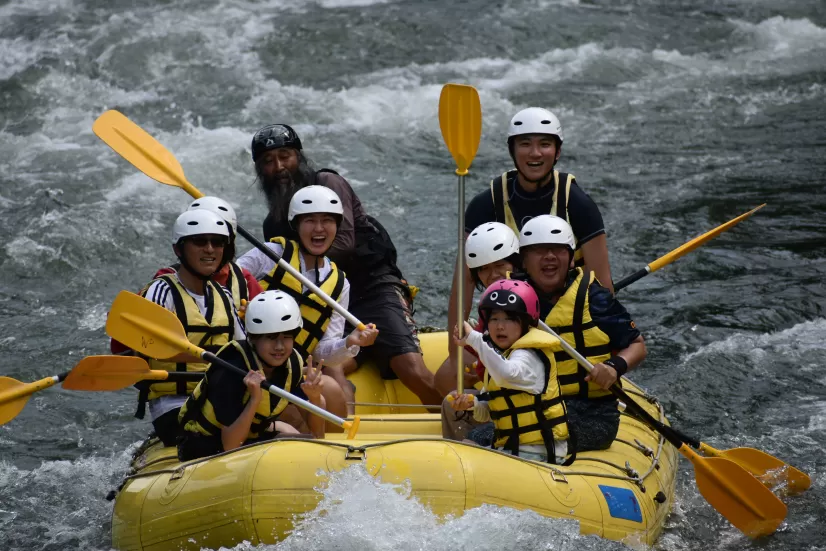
279	195
514	259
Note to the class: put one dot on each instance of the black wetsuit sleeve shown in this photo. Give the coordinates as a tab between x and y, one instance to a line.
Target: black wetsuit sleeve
227	388
611	317
586	220
479	210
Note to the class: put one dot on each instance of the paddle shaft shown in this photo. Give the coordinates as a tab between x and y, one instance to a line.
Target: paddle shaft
460	286
150	157
682	250
670	434
353	320
30	388
636	276
272	389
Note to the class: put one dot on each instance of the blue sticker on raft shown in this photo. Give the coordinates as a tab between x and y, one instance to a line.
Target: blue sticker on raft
622	503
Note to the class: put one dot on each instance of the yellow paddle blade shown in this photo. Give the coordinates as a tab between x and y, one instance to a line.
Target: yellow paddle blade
98	373
135	145
11	406
460	118
698	241
147	327
767	468
737	495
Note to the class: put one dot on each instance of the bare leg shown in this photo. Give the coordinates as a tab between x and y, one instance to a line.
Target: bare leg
292	417
336	402
411	371
285	428
337	374
349	366
445	377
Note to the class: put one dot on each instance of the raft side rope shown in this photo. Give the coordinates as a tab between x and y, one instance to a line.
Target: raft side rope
635	479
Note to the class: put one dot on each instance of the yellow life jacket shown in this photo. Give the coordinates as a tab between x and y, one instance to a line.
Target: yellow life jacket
562	187
534	419
210	332
571	319
237	285
198	414
315	313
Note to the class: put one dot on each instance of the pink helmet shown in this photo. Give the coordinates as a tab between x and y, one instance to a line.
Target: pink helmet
510	295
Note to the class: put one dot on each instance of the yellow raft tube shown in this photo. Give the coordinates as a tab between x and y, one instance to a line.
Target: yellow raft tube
255	493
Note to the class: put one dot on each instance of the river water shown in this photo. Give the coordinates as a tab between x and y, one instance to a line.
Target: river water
678	116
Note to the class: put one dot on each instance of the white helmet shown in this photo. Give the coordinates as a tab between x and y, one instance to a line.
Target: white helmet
219	207
272	312
535	120
488	243
313	199
547	230
198	222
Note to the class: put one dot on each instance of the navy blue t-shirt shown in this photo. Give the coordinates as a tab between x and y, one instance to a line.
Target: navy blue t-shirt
583	213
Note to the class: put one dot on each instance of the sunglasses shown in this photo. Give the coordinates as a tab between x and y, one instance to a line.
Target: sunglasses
202	240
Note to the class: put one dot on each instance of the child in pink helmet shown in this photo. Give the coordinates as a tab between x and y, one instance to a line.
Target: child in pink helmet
521	392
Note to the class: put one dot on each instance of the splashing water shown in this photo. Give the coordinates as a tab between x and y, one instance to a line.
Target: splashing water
359	512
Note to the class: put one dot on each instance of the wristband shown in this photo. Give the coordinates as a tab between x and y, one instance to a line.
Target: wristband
619	364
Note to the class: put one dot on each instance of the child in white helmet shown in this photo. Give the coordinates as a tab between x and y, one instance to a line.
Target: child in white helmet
491	253
225	411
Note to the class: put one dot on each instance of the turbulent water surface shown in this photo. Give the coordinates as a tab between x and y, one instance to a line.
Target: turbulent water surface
678	115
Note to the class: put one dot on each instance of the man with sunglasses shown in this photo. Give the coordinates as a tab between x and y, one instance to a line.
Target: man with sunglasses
200	240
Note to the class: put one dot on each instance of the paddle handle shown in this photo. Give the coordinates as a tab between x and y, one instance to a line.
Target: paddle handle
353	320
633	407
460	286
636	276
281	393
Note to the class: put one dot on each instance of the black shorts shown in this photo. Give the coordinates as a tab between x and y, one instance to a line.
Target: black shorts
390	308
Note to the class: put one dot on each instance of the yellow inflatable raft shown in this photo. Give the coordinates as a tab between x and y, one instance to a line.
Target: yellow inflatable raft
254	493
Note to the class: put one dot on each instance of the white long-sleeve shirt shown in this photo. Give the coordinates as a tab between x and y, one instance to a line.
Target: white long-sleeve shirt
332	347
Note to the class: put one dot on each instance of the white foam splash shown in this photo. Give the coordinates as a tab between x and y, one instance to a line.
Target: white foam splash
794	341
359	512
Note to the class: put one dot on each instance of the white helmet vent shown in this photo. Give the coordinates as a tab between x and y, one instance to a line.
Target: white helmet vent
314	199
490	242
535	120
268	313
